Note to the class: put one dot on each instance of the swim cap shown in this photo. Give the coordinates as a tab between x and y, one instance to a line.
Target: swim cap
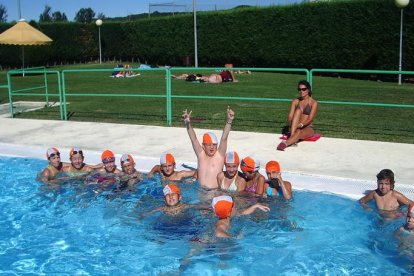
250	164
171	189
209	138
74	151
51	151
410	210
127	159
273	166
231	158
107	154
222	206
167	158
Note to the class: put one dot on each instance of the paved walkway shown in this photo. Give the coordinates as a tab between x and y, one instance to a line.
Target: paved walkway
327	157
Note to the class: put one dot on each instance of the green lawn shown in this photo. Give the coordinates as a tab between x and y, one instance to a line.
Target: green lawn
393	124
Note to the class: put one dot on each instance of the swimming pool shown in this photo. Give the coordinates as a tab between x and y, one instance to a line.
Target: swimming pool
82	230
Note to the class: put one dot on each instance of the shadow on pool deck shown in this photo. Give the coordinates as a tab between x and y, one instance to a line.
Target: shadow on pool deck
328	156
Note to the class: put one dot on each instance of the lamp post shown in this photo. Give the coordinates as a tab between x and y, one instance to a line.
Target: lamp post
401	4
195	34
99	23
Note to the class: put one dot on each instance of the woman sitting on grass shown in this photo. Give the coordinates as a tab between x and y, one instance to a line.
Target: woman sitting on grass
302	112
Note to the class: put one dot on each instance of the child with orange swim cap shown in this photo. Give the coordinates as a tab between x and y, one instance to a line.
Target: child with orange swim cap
275	185
210	154
223	207
167	171
254	181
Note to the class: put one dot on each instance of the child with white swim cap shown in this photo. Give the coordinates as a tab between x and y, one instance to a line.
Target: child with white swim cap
231	179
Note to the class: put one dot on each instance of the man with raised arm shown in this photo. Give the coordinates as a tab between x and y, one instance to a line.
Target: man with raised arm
210	154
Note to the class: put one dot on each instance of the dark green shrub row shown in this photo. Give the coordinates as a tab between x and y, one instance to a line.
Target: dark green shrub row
358	34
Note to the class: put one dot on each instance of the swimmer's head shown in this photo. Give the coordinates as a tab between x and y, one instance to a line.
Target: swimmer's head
74	151
210	143
52	152
231	162
249	165
410	217
127	163
76	157
272	169
232	158
167	158
172	194
108	159
384	175
167	163
222	206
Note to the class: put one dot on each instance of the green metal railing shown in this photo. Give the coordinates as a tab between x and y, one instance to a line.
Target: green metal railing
349	71
168	93
25	91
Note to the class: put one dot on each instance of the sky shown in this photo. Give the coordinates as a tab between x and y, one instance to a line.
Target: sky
31	9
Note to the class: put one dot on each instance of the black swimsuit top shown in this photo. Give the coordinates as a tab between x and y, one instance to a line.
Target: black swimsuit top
307	110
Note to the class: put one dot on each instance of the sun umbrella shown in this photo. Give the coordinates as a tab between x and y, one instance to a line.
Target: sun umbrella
23	34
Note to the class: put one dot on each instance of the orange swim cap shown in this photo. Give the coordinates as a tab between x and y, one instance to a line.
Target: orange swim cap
167	158
171	189
231	158
51	151
74	151
107	154
273	166
127	159
209	138
250	164
222	206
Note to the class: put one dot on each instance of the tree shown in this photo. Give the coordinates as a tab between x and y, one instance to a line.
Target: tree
3	13
45	16
85	15
58	16
101	16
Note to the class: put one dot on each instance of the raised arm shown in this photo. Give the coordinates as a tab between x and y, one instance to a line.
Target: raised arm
187	120
223	141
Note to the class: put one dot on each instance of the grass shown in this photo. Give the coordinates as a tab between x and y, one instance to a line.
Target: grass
392	124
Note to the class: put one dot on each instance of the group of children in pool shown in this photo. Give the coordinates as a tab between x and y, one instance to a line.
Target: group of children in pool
211	157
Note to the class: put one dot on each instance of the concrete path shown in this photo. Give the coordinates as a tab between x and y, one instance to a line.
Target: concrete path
346	158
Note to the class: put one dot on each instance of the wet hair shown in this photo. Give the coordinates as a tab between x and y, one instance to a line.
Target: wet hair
308	86
386	174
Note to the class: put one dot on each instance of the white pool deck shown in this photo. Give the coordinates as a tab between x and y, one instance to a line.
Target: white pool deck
340	166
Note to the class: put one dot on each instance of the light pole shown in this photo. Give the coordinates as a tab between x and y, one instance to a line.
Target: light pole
99	23
401	4
195	34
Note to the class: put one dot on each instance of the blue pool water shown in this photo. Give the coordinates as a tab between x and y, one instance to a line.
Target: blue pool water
78	229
